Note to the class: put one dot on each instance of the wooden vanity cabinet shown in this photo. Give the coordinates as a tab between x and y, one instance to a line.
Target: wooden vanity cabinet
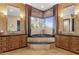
74	44
62	42
4	44
58	41
16	42
12	42
23	41
0	45
66	42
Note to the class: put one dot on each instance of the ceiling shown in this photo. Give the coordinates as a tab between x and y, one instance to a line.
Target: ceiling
42	6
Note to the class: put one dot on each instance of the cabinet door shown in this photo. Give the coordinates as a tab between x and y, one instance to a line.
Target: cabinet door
10	42
62	42
17	41
4	44
74	44
23	40
65	42
13	42
0	45
58	41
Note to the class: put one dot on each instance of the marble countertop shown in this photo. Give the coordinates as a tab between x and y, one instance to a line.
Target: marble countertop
70	34
11	34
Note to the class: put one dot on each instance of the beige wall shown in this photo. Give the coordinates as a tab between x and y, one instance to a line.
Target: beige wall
60	16
77	18
4	18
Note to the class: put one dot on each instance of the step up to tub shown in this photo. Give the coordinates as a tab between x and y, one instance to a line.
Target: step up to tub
50	39
40	43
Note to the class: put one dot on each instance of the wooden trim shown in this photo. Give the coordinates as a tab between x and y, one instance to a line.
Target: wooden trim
27	18
29	14
57	20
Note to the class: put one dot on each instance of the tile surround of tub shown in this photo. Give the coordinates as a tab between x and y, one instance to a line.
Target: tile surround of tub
41	46
49	39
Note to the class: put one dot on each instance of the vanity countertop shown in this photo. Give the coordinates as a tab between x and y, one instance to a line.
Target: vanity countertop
69	34
11	34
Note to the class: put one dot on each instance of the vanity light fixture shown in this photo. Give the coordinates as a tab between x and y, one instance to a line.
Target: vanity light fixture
4	12
21	15
76	12
61	15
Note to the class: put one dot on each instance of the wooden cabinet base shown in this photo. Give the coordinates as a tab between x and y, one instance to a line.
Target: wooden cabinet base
69	43
8	43
74	44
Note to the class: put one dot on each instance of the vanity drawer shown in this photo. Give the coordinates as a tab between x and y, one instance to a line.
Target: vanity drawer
23	41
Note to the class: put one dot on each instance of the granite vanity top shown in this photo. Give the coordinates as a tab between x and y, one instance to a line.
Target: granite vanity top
11	34
69	34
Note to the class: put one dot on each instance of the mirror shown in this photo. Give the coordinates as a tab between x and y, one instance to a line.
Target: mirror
13	14
69	25
68	17
66	25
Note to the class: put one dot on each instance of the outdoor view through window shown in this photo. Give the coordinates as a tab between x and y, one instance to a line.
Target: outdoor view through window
42	27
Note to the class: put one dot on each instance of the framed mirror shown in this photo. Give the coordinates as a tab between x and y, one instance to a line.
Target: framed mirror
13	22
69	25
66	25
68	18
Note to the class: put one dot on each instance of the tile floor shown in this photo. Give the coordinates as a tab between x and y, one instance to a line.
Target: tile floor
28	51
